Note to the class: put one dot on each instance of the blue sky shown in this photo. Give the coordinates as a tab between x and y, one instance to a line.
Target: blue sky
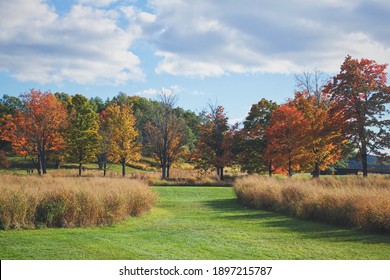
230	52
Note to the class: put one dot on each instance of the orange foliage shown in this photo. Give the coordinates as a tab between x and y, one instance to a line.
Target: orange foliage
286	136
323	138
37	129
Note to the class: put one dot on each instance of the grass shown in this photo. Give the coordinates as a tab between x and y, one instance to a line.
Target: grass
32	201
352	201
198	223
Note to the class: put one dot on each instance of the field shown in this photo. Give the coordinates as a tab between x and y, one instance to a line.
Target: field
352	201
198	223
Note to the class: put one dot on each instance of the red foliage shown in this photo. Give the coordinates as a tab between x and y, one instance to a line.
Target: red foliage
38	128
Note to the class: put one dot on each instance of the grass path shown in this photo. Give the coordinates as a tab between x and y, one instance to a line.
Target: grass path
198	223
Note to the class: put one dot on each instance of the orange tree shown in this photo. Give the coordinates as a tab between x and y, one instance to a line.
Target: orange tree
323	138
37	128
360	96
286	139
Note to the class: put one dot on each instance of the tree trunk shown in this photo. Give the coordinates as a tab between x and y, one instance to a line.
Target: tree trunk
270	171
39	166
164	171
80	168
363	155
168	171
363	150
316	172
104	169
289	168
44	162
123	167
221	174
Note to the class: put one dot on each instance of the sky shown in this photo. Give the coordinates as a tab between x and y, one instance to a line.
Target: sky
229	52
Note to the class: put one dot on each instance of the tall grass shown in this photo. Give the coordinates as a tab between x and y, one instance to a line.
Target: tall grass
351	201
31	202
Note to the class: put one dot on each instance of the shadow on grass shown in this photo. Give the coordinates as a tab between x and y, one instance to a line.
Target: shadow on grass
308	229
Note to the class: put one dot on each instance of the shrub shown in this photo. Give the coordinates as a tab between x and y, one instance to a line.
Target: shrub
28	202
348	201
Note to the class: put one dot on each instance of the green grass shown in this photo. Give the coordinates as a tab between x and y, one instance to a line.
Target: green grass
198	223
20	164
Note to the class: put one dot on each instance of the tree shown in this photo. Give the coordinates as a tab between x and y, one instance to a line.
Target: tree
83	134
37	128
313	84
106	134
9	105
286	138
360	96
123	147
252	139
4	162
166	133
214	148
323	139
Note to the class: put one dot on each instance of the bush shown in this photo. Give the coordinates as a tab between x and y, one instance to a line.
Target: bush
348	201
29	202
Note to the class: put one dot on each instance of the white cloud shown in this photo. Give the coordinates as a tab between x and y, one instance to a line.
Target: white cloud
208	38
85	45
97	3
92	41
174	90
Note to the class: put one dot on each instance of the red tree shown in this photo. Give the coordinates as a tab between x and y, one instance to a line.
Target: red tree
38	128
360	95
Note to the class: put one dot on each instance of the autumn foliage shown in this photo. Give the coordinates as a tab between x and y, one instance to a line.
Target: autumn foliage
122	145
286	135
360	95
38	128
214	149
322	124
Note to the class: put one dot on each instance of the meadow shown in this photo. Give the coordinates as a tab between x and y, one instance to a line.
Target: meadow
48	201
352	201
198	223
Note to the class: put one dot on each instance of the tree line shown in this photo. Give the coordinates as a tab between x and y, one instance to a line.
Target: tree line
322	124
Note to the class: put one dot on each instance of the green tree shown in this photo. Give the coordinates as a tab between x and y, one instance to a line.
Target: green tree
83	135
251	140
9	105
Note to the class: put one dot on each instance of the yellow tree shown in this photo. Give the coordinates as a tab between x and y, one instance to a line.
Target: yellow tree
123	147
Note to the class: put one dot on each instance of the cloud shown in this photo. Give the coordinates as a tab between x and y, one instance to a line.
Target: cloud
85	45
174	90
94	42
208	38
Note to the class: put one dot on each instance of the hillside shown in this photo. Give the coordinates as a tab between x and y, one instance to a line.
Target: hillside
373	165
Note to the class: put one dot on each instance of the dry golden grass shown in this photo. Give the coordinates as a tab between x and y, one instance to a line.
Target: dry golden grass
32	201
350	201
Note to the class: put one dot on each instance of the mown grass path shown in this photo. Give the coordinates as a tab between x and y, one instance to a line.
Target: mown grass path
198	223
